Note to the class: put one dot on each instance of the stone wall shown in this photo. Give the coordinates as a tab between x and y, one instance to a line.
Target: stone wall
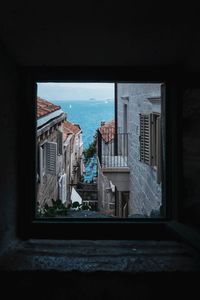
145	193
48	189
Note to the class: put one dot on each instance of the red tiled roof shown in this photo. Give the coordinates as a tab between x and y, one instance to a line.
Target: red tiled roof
107	131
45	107
70	128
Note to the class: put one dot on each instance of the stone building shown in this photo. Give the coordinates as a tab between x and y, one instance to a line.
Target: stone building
139	112
59	157
129	173
51	176
107	131
106	190
113	171
73	144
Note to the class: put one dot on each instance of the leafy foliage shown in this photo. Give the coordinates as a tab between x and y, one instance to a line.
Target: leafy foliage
55	210
75	204
84	206
91	150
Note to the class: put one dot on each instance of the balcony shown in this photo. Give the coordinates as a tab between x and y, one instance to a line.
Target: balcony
112	151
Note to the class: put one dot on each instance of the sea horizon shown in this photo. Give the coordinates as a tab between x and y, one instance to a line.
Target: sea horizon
88	114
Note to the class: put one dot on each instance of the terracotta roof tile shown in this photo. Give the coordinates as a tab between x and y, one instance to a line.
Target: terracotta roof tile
108	131
45	107
70	128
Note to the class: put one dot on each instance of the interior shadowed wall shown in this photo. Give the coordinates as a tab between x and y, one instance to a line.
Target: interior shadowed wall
191	155
127	44
8	149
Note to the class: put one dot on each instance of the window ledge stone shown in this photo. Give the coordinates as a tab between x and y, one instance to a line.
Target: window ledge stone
100	256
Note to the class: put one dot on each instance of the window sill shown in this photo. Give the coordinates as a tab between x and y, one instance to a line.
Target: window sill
100	256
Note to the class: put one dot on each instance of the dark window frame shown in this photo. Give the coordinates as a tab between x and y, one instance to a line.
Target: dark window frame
29	227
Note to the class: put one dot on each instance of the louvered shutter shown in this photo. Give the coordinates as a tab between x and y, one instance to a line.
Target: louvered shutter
158	149
153	137
41	164
60	142
145	138
51	158
64	184
60	188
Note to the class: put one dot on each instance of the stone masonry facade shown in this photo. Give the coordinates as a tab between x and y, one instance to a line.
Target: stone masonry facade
145	192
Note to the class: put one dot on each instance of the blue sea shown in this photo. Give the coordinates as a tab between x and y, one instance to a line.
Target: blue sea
88	114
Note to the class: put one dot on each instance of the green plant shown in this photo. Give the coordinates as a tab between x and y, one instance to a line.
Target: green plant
83	206
75	204
91	150
56	209
86	206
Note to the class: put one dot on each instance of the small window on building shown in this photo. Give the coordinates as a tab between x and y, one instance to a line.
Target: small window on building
51	160
150	141
47	159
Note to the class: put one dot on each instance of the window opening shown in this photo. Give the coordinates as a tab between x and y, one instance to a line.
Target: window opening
87	168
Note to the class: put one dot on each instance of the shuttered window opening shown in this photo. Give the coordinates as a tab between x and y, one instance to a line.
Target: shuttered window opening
150	141
145	138
47	160
51	158
60	142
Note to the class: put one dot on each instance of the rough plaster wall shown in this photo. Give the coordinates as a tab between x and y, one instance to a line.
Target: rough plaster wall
191	155
8	149
106	199
75	174
145	193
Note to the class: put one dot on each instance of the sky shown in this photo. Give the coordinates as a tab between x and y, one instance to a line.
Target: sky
75	91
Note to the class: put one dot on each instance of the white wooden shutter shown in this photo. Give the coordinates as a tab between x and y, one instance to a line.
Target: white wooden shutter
41	163
145	138
158	148
60	142
60	188
62	184
51	158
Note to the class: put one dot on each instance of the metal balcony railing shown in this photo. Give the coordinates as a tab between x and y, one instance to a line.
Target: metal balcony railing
112	148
